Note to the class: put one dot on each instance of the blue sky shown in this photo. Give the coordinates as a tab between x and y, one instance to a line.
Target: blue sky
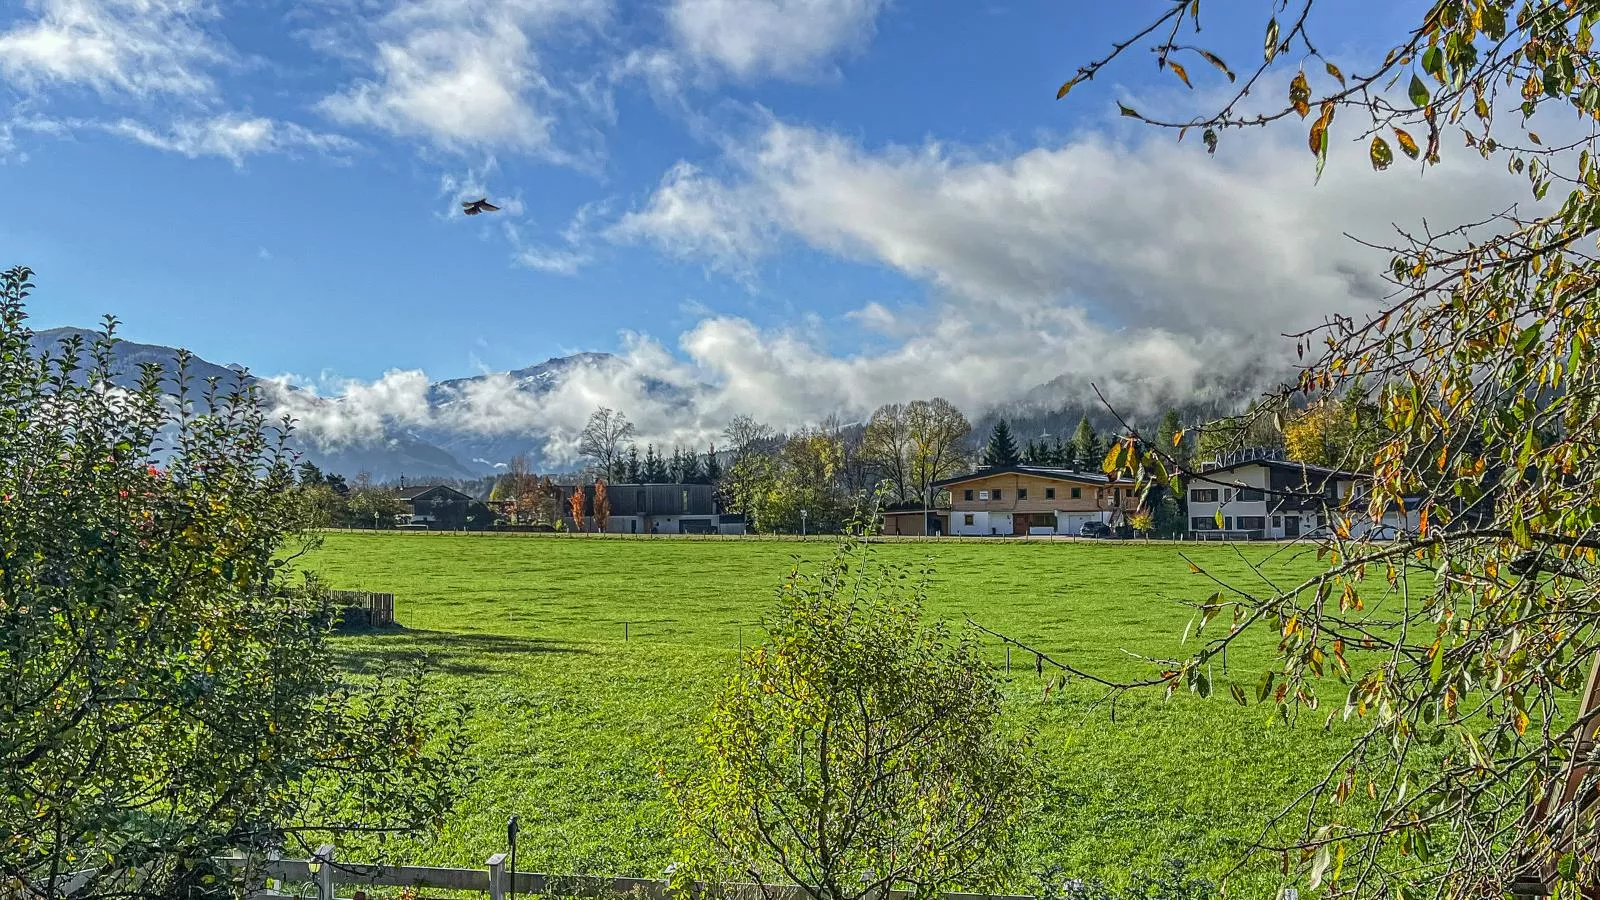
814	203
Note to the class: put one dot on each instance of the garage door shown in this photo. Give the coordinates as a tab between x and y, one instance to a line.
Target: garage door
1071	523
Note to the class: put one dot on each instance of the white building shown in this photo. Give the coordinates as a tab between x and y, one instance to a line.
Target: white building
1254	495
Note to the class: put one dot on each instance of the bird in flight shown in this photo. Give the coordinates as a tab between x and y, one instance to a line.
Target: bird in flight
480	205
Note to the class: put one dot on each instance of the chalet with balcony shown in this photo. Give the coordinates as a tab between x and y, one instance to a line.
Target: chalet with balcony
1035	500
1261	495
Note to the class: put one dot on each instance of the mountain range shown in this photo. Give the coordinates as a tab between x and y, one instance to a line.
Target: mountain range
395	450
465	428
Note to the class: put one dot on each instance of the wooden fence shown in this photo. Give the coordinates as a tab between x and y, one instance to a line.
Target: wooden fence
364	609
328	874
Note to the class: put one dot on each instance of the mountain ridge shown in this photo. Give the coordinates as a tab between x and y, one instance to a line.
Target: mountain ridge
468	427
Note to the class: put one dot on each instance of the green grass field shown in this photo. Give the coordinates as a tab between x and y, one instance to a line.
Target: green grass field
570	720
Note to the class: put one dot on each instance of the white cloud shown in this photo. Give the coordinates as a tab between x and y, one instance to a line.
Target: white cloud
779	38
1149	234
1150	269
463	73
232	136
133	47
552	260
692	215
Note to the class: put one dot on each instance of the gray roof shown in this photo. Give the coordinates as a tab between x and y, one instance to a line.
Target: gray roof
1072	475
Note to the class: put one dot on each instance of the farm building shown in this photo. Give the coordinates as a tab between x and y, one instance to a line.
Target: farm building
438	506
915	519
656	509
1035	500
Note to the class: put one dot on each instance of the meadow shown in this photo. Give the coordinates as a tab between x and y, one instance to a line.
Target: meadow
571	720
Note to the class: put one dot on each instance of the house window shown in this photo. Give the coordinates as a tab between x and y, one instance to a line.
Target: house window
1022	493
1253	523
967	519
997	493
1251	495
1227	524
1049	493
1277	521
1077	493
1202	523
1227	495
967	495
983	495
1206	496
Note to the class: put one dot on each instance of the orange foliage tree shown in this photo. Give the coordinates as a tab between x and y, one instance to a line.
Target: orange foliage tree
602	505
576	506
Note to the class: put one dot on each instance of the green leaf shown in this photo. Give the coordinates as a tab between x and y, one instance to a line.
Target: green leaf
1218	517
1436	670
1568	866
1494	21
1237	693
1419	92
1127	110
1528	338
1271	44
1382	156
1433	62
1264	689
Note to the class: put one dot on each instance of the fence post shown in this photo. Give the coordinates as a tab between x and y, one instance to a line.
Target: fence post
497	876
324	858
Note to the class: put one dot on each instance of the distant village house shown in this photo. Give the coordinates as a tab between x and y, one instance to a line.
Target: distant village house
1035	500
1260	495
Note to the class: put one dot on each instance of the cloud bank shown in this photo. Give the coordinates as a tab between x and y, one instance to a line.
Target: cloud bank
1142	265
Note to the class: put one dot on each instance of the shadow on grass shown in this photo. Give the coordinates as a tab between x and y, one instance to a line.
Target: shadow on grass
446	652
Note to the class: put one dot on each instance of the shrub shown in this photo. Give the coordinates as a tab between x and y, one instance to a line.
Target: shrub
858	749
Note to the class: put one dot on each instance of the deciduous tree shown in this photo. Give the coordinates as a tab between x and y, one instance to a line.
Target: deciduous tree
602	506
168	693
887	446
939	435
1485	363
859	749
575	504
605	438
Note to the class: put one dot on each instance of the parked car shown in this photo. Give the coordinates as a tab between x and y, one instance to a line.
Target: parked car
1095	530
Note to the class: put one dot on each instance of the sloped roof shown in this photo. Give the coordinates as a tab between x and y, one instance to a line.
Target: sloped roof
1306	470
412	493
1071	475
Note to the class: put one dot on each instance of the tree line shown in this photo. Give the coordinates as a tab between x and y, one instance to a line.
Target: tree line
899	453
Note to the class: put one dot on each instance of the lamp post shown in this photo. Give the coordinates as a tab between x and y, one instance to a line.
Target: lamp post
802	523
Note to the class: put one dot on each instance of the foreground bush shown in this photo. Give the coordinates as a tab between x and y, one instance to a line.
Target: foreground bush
858	749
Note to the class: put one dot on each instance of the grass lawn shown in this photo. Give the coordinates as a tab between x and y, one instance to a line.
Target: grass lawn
570	720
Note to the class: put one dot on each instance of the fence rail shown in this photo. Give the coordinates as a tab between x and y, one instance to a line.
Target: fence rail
326	873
